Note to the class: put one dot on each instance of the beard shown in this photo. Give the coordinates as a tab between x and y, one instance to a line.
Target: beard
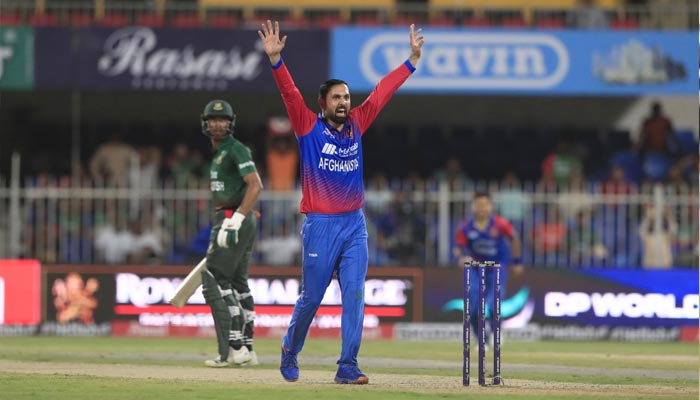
338	120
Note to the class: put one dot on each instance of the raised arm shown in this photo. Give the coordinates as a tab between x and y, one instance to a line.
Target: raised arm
416	45
385	88
270	36
301	117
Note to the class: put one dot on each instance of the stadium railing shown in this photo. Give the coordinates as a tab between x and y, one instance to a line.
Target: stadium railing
58	221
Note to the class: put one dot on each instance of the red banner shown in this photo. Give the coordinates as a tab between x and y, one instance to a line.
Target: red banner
20	287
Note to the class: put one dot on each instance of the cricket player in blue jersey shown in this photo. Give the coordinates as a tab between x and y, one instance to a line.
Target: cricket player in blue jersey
334	234
487	237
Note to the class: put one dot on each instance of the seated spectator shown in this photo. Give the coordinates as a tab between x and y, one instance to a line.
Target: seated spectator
377	204
197	246
616	211
561	163
655	166
453	174
401	231
147	246
583	242
685	211
686	244
112	161
617	186
148	174
113	244
282	155
685	171
588	16
657	238
414	181
512	202
76	245
284	249
549	234
631	164
184	164
575	197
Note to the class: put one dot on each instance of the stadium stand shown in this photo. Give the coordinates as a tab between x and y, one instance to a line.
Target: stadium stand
539	14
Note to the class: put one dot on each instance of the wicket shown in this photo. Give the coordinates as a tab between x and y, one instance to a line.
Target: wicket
481	323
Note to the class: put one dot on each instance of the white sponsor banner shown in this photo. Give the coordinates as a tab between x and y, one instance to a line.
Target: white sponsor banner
621	305
148	290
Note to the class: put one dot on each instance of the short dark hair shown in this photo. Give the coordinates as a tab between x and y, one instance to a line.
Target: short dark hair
327	85
482	194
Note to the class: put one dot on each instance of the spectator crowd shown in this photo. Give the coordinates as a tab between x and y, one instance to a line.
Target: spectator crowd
570	201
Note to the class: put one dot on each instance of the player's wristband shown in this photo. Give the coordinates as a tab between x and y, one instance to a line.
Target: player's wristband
238	218
517	260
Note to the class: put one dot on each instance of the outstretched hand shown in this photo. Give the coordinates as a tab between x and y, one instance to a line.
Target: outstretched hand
416	44
270	36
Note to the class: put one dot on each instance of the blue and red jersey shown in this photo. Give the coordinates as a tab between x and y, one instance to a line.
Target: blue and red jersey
490	244
331	159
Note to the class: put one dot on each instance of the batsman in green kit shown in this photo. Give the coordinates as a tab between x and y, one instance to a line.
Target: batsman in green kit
235	187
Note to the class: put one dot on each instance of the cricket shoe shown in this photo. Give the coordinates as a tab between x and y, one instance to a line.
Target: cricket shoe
253	360
217	363
289	366
240	356
351	374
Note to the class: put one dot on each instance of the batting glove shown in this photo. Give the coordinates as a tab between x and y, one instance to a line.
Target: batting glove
228	234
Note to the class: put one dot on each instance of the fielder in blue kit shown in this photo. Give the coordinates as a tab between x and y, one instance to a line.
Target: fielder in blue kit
487	237
334	234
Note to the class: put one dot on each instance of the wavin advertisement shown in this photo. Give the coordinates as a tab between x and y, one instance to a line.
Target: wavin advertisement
533	62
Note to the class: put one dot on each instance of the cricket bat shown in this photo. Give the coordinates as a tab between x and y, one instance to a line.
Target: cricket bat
189	285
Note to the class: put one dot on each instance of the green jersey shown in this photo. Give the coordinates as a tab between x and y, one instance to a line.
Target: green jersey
231	162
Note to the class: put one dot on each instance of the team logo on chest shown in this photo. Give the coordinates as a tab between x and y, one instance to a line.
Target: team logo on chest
329	149
220	158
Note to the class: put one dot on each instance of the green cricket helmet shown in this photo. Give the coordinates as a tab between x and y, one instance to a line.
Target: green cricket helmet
218	108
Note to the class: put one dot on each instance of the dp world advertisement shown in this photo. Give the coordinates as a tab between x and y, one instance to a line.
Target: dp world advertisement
583	304
522	62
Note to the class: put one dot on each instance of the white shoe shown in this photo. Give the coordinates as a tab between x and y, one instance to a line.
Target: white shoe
240	356
253	360
216	363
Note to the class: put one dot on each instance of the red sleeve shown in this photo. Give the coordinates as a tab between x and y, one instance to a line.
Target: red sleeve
366	112
300	116
504	227
461	238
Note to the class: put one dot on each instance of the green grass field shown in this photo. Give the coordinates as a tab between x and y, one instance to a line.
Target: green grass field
165	368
